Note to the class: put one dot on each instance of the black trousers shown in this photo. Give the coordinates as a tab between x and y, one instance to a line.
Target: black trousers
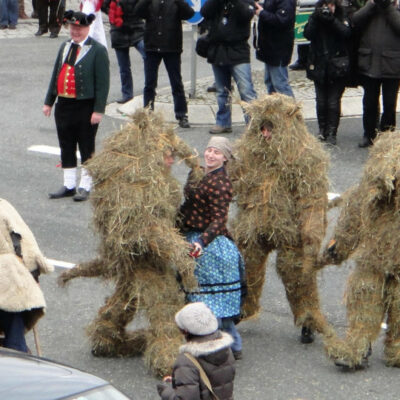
328	99
172	62
50	21
75	130
12	324
372	88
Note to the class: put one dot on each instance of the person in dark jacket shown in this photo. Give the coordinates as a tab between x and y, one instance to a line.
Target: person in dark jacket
378	64
229	54
163	42
211	349
275	42
328	63
126	31
80	83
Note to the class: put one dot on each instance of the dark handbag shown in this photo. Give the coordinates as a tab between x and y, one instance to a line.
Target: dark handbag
339	67
202	45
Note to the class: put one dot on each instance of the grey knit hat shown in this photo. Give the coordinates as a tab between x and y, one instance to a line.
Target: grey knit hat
222	144
196	319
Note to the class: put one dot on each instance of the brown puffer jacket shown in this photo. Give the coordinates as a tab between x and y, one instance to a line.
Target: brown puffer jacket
214	354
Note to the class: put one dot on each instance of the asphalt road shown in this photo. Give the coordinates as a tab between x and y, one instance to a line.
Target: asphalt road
275	364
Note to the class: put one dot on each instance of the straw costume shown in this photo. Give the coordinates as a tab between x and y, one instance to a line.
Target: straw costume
135	205
21	262
281	186
367	231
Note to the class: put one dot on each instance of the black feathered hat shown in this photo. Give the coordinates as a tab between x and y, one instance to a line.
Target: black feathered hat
78	18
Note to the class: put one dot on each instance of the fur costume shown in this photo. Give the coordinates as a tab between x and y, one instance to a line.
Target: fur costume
20	257
135	202
281	186
367	231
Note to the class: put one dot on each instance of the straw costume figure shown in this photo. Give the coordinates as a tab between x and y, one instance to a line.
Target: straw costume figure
21	262
280	179
367	231
135	205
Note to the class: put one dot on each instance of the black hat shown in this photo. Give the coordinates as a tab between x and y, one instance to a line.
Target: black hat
78	18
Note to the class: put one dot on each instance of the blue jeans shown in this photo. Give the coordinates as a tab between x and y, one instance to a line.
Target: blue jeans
277	80
124	63
227	325
12	324
223	74
8	12
172	62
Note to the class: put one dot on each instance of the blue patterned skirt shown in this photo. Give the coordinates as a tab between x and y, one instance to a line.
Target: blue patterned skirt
219	271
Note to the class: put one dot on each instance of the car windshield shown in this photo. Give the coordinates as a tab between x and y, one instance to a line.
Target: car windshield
102	393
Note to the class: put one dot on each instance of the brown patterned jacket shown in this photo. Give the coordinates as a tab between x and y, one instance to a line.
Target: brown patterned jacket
206	205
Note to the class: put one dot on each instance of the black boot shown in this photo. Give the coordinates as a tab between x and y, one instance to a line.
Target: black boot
307	335
331	136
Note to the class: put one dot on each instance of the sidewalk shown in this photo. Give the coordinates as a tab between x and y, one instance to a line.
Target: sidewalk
203	107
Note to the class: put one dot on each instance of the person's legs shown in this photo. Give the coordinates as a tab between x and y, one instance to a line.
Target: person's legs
278	80
172	62
13	326
3	14
370	108
42	10
124	64
334	97
321	107
12	13
139	46
242	75
227	325
56	12
222	76
390	88
151	63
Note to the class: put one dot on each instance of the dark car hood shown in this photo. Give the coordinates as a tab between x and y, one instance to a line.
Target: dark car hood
27	377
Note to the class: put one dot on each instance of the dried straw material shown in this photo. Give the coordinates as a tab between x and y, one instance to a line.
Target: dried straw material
135	202
281	187
367	231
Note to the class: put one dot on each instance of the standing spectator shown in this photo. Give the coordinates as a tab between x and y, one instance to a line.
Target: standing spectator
126	31
328	63
378	64
8	14
163	41
80	81
21	10
275	42
229	54
220	268
209	348
50	13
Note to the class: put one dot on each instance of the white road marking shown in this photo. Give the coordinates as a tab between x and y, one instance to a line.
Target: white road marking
61	264
42	148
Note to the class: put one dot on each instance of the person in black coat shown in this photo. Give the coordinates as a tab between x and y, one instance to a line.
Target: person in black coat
329	30
126	31
163	41
275	42
229	54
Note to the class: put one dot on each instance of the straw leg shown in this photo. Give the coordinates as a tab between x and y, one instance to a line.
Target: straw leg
392	340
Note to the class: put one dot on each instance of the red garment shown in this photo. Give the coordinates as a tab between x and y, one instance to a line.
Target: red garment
66	82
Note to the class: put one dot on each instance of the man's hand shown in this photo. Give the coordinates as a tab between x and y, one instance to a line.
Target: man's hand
258	8
46	110
96	118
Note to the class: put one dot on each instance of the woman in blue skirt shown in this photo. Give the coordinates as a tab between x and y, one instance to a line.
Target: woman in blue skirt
220	267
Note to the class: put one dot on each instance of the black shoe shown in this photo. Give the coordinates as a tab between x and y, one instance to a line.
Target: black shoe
212	88
183	122
307	336
366	142
3	27
237	354
63	192
12	26
346	365
81	195
123	101
297	66
53	35
331	140
40	32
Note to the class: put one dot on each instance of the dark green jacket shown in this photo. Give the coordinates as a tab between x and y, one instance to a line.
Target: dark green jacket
92	74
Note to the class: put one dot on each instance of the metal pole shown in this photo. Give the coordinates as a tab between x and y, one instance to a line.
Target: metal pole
193	64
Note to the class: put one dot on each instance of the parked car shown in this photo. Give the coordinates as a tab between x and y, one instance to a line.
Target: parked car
24	377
